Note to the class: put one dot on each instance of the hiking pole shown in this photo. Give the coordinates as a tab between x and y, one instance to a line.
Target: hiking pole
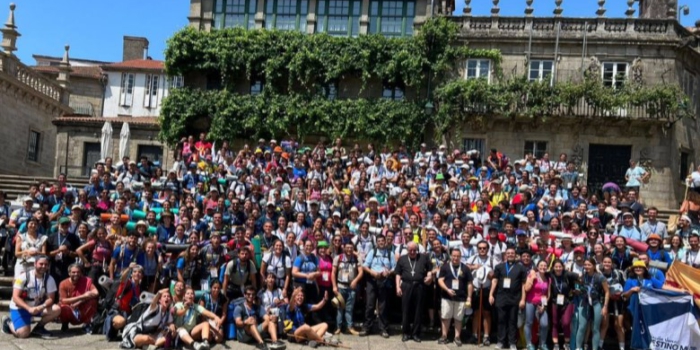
481	311
321	342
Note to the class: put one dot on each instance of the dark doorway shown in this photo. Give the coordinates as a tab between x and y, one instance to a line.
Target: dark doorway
607	163
91	155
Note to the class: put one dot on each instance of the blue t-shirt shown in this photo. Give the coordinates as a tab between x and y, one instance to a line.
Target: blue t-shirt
150	266
297	316
123	261
164	233
243	312
306	264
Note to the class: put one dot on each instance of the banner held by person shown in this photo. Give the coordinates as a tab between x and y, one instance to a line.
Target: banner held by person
683	277
663	320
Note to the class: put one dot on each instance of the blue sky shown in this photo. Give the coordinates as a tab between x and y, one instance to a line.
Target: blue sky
94	28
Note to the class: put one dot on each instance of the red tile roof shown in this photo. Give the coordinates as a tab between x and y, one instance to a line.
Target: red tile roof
93	72
136	64
74	119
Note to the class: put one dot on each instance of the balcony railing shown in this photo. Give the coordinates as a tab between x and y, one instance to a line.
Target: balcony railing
11	66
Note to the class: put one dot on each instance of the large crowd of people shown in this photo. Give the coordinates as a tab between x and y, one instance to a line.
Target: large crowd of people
279	241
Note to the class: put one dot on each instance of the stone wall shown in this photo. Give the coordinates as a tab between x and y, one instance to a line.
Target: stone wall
87	91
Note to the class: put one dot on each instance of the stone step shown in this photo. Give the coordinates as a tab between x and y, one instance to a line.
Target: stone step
4	305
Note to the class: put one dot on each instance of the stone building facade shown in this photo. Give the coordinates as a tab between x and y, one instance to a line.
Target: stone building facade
28	103
649	47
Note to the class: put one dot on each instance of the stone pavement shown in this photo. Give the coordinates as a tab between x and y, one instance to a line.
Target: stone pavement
74	340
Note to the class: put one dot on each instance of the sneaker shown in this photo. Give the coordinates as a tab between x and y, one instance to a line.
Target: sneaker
313	344
6	325
385	334
499	346
364	333
472	339
198	346
260	346
206	345
458	342
555	347
337	331
566	346
150	347
354	332
87	328
513	347
46	335
530	347
486	341
442	341
543	347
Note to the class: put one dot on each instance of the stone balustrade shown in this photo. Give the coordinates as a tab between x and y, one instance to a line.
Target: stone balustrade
12	67
518	27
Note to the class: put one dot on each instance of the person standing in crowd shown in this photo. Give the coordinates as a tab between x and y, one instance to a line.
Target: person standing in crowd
347	274
413	272
561	285
595	296
28	246
536	300
481	266
240	272
379	265
456	289
508	296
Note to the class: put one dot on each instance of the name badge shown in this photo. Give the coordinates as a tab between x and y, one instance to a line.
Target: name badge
205	285
213	272
325	276
344	277
560	299
59	257
455	284
569	185
506	283
543	301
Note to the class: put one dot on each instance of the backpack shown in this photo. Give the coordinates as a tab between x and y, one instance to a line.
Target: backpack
137	311
222	269
43	286
636	228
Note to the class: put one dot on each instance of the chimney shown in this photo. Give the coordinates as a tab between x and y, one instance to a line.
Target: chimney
656	9
135	48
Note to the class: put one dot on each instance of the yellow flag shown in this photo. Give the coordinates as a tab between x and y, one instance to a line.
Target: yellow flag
684	277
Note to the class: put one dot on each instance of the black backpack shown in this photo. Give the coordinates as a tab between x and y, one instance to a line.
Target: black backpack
137	311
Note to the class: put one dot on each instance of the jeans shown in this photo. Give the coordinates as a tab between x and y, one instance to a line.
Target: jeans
530	313
349	296
587	313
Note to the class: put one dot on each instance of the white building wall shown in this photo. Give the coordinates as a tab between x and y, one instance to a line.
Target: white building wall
136	108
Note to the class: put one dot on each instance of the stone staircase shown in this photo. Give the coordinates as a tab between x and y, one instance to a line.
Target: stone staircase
5	292
18	185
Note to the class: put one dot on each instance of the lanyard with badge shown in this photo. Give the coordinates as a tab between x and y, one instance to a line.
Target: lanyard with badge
589	288
455	276
506	280
345	270
59	256
559	285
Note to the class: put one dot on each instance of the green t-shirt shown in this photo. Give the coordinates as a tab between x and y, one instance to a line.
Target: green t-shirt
189	319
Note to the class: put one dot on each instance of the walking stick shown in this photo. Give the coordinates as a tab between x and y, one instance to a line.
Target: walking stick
322	342
481	315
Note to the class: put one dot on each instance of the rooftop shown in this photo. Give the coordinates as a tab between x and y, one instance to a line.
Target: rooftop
140	64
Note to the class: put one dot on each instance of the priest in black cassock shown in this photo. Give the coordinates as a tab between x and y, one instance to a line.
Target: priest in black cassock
413	273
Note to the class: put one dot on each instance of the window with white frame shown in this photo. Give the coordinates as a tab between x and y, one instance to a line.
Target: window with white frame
541	70
33	146
150	97
126	96
537	148
479	69
615	74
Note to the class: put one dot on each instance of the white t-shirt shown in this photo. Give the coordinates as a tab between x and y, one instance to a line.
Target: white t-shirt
36	292
277	265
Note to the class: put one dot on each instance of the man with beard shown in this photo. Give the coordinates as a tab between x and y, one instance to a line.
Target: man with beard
78	299
32	295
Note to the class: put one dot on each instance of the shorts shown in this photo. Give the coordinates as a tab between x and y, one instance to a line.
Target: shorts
244	337
616	308
20	318
485	305
451	310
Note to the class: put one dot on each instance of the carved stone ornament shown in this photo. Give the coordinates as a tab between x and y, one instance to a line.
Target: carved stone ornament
594	66
637	71
577	155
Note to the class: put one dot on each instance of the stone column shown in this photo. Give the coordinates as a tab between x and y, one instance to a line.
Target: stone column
364	18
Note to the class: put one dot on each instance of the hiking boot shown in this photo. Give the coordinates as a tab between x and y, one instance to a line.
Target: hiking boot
43	333
6	325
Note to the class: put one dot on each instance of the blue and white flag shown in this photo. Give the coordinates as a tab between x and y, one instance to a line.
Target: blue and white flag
664	320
